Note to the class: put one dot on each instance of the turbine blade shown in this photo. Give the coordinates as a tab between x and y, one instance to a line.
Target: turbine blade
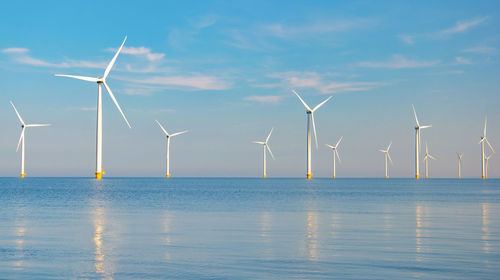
383	151
338	142
480	141
116	103
415	113
433	158
89	79
321	104
268	136
269	150
426	148
110	65
426	126
389	156
179	133
20	139
17	113
259	142
389	146
337	154
38	125
314	130
330	146
301	100
162	128
488	142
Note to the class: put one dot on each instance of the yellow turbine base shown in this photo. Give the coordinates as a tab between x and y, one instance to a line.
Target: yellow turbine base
264	176
483	177
98	175
426	177
333	176
22	175
309	176
386	177
459	177
417	176
168	175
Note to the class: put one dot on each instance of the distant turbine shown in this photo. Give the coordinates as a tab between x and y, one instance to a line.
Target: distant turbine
335	153
484	139
310	118
266	147
460	156
100	82
22	138
417	143
168	144
387	156
486	159
426	159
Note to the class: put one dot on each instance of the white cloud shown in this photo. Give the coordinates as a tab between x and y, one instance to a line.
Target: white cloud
463	26
273	99
194	82
140	51
407	39
82	108
15	50
480	49
398	62
462	60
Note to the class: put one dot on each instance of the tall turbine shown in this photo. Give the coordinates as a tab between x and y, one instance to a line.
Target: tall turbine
417	143
266	148
335	153
310	119
426	159
168	144
21	141
484	139
460	156
387	156
486	159
101	81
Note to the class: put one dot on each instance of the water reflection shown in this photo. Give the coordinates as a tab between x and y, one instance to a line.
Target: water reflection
167	221
387	221
20	231
334	234
418	232
485	221
265	229
311	236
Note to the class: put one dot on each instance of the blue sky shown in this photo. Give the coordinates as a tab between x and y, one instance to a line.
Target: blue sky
224	71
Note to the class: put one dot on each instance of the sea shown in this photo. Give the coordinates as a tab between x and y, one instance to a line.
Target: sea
249	228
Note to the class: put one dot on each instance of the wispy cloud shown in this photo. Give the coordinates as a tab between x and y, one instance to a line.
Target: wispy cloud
480	50
82	108
323	83
398	62
407	39
272	99
15	50
22	56
462	60
197	82
140	51
463	26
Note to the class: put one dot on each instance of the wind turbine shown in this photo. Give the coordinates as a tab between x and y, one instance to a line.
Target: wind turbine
417	142
460	156
335	153
168	144
426	159
21	141
266	147
484	139
486	159
101	81
310	119
387	156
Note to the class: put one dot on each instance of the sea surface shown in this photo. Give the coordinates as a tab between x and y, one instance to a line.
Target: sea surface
240	228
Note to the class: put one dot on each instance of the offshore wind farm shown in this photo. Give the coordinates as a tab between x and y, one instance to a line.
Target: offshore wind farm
274	95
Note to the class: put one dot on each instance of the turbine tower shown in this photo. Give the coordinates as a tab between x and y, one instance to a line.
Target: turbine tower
266	147
101	81
460	156
335	153
484	139
168	144
486	159
21	141
387	156
417	142
310	119
426	159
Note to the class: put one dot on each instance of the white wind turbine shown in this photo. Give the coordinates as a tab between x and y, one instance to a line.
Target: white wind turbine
335	153
484	139
426	159
168	144
387	156
460	156
310	119
101	81
486	159
417	142
21	141
266	147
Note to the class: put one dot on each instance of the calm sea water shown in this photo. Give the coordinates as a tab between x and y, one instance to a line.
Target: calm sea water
180	228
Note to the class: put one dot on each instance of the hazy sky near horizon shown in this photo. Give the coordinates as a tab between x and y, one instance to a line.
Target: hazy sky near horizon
224	70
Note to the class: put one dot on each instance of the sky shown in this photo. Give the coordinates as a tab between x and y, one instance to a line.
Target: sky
224	70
